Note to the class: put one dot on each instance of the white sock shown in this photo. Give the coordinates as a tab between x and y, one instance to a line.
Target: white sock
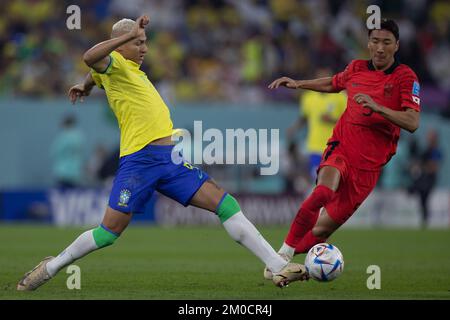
245	233
84	244
287	250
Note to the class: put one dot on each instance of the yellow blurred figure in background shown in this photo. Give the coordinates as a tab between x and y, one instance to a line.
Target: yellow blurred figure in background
319	112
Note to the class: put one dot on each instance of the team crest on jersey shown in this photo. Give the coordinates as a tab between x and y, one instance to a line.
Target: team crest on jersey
388	90
416	88
124	197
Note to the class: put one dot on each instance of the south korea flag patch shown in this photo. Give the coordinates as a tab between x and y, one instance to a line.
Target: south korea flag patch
416	92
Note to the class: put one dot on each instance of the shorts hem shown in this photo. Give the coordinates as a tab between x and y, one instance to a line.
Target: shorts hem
187	202
122	210
340	169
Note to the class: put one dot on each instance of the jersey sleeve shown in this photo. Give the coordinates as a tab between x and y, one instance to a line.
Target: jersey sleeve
409	90
97	78
339	80
115	64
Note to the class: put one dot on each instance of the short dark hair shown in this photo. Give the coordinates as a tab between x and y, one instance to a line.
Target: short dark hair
389	25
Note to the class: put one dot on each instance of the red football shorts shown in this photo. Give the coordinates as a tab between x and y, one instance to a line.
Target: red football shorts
354	187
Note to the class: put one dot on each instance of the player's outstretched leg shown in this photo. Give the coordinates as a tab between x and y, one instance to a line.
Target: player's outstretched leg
327	183
307	216
215	199
113	224
303	222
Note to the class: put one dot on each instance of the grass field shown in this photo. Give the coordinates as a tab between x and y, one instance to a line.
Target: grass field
203	263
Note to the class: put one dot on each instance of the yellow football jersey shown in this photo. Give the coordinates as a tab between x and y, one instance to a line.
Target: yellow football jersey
313	106
140	111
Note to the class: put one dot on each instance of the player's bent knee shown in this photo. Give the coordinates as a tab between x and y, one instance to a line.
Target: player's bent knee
104	237
322	232
320	196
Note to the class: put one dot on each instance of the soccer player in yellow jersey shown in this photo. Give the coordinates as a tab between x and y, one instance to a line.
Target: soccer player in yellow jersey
319	112
147	161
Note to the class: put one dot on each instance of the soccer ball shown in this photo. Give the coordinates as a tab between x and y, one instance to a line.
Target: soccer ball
324	262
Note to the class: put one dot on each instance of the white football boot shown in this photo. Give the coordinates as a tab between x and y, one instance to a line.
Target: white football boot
268	275
36	277
290	273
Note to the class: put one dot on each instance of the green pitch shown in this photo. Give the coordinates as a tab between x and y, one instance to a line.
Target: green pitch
203	263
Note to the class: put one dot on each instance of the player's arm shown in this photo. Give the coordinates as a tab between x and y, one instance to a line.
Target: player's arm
98	57
81	90
408	119
319	85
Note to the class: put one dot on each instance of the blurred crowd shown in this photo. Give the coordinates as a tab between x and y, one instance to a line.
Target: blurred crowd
226	50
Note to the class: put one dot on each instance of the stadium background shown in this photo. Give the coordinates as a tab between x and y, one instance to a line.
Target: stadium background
211	61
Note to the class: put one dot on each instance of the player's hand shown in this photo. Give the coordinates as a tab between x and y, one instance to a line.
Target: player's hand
139	28
78	91
367	102
285	82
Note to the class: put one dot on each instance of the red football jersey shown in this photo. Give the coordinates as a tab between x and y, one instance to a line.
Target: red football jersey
368	139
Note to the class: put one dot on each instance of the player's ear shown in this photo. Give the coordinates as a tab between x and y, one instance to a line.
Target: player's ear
397	45
120	49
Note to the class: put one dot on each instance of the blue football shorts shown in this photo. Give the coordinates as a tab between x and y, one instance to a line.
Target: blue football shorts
314	162
154	168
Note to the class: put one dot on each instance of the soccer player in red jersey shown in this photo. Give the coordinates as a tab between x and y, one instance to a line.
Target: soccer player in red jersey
383	97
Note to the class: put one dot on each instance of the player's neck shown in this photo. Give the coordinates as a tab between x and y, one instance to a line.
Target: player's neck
385	67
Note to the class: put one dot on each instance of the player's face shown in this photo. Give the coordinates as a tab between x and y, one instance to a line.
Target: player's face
382	47
135	50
